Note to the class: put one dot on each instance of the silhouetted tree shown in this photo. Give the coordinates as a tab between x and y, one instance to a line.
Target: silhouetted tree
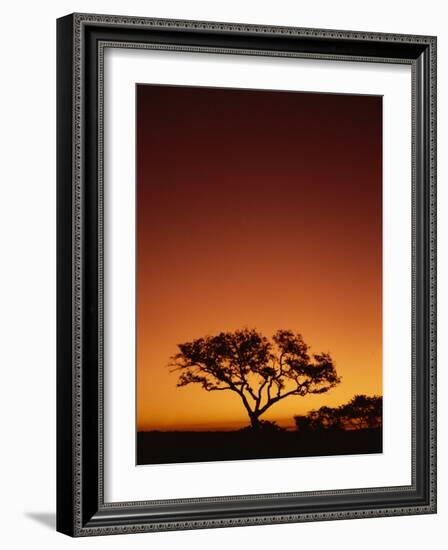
361	412
260	372
326	418
303	423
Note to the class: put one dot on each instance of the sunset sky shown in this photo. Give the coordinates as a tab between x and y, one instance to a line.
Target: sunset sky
256	209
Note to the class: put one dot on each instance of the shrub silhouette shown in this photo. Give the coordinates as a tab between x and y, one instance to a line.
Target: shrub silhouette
267	427
259	371
361	412
326	418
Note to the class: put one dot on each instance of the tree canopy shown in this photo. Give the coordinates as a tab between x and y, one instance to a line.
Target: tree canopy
260	371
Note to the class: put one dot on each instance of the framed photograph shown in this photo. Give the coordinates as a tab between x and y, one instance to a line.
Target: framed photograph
246	274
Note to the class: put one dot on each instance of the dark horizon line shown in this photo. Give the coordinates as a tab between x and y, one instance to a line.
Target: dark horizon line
247	428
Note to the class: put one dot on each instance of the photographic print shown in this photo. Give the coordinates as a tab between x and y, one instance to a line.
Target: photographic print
258	274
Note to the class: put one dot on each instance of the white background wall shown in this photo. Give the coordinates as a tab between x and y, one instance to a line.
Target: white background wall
27	275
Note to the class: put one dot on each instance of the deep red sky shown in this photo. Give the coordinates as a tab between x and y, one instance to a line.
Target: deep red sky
259	209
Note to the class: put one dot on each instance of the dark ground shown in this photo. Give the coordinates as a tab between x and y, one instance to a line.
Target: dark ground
168	447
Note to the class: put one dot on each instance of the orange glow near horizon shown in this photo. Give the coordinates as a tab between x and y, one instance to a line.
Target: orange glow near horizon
263	210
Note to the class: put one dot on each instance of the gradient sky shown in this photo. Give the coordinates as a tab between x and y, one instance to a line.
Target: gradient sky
256	209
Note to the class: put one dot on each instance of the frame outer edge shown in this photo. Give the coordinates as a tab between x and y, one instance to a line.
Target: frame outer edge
78	261
65	372
433	274
226	27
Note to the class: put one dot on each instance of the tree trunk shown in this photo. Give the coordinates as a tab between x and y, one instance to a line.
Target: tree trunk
255	422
